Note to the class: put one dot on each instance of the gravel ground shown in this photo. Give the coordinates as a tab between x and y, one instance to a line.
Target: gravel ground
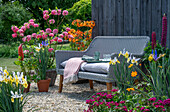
72	99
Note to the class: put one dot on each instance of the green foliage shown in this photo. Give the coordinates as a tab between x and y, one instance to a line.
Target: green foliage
80	10
10	51
11	13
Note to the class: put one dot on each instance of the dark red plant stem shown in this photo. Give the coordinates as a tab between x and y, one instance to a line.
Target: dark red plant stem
153	40
164	31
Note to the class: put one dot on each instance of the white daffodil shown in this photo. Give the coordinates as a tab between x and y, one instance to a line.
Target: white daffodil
16	95
1	78
130	57
135	60
113	62
1	69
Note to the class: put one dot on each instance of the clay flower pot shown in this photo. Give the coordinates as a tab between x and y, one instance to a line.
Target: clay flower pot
26	90
43	85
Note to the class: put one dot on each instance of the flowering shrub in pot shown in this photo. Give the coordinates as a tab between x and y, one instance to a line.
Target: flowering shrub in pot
32	39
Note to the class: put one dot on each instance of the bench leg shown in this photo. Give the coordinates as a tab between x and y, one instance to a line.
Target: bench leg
91	84
109	87
61	84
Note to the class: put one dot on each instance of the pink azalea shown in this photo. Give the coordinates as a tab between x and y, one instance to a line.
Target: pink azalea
23	28
14	35
59	40
44	36
67	29
41	31
31	20
27	25
20	31
21	34
39	36
55	31
46	16
142	108
56	38
45	12
51	41
50	49
70	36
65	12
152	99
51	21
26	51
65	33
14	29
31	23
58	12
34	35
48	30
51	35
36	25
147	110
24	39
28	38
53	12
61	35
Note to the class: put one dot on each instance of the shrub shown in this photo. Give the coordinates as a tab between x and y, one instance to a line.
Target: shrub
11	13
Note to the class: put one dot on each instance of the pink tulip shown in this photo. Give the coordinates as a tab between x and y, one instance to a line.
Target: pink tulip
24	39
34	35
14	35
65	12
51	21
67	29
53	12
20	52
50	49
59	40
48	30
51	35
55	31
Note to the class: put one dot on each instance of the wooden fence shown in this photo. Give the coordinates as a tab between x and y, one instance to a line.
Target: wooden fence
128	17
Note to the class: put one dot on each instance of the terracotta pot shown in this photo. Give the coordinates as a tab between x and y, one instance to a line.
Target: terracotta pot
26	90
51	74
43	85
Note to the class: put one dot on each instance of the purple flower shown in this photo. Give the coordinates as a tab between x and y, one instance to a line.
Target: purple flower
153	40
44	43
152	99
164	31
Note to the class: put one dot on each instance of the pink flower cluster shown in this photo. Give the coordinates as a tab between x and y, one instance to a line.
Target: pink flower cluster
111	102
53	12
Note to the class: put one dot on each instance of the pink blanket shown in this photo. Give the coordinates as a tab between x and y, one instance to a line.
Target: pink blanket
71	70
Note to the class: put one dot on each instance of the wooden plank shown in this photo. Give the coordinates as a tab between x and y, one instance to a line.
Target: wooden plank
168	17
100	19
109	27
148	17
95	16
105	17
127	17
113	17
135	13
156	18
119	17
143	17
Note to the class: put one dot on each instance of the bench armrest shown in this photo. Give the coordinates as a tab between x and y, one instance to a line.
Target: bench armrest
61	56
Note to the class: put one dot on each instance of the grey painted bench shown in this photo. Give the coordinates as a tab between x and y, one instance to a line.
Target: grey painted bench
105	45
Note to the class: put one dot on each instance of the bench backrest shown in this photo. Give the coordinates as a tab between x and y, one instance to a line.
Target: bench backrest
115	44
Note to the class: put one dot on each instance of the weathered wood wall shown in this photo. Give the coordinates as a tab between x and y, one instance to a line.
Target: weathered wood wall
128	17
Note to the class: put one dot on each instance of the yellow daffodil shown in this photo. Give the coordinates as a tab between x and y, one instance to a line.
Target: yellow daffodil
135	60
21	98
12	100
130	65
150	58
6	72
25	85
160	66
120	53
126	54
113	62
134	74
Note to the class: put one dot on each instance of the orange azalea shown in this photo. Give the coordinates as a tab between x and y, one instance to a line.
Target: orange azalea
134	74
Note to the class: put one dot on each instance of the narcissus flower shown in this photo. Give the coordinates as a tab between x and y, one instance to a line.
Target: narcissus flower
113	62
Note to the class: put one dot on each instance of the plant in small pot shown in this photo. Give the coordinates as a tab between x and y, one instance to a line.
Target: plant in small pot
42	61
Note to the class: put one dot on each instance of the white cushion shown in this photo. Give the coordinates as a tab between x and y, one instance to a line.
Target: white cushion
92	67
